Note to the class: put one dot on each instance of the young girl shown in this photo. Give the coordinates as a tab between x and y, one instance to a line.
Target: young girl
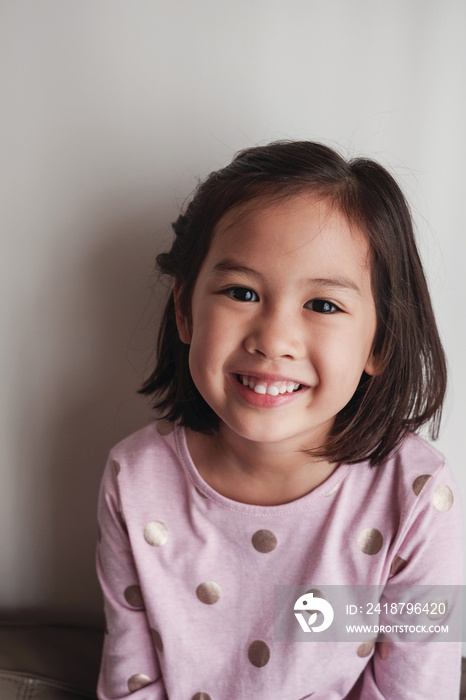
297	357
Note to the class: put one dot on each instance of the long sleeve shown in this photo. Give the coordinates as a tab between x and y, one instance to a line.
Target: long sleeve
129	664
430	554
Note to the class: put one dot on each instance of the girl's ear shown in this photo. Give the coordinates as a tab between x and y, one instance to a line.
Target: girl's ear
182	322
373	364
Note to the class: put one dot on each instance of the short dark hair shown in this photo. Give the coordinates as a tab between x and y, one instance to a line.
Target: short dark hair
409	387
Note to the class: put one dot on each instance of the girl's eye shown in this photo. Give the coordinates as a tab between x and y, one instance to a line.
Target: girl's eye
322	306
241	294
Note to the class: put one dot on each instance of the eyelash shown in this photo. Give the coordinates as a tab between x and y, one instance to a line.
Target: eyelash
232	292
324	306
321	306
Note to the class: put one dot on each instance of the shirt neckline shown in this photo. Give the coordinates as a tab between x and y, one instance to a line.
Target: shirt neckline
322	493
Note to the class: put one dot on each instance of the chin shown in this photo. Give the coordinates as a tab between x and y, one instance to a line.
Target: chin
263	431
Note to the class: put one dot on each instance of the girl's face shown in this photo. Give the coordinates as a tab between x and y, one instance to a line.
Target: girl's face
282	320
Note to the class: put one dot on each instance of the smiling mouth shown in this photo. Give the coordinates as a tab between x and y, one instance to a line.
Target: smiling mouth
259	386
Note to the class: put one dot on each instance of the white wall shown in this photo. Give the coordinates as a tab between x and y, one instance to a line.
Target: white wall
110	110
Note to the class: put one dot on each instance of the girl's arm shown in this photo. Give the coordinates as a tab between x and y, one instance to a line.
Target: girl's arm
430	555
130	665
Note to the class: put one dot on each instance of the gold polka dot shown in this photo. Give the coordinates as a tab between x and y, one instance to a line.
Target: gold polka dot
133	597
201	696
138	681
264	541
434	606
365	649
442	498
398	564
420	482
208	592
155	533
116	468
316	593
370	540
333	490
157	639
383	649
164	427
258	653
200	492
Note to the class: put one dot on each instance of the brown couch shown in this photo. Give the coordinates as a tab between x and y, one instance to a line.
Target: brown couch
51	662
48	662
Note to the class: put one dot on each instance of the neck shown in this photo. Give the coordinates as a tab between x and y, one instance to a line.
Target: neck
256	473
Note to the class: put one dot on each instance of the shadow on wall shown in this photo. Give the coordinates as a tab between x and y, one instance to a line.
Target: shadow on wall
99	316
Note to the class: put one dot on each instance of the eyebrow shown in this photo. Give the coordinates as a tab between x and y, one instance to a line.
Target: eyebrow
229	265
338	282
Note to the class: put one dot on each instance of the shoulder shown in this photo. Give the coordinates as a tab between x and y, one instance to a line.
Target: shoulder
417	476
414	462
421	472
402	476
415	452
152	444
147	459
411	492
144	469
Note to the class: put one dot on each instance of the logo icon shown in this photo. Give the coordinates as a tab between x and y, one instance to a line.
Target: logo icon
313	605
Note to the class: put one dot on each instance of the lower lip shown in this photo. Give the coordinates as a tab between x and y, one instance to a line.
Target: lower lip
264	400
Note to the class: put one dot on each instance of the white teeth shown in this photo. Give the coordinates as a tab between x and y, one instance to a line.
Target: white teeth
272	388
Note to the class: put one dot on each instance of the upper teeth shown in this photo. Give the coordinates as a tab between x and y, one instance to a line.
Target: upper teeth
271	388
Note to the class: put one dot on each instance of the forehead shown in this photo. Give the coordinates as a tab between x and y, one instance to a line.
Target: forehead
306	229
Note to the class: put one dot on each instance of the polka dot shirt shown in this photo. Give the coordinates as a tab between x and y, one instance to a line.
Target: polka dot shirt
188	577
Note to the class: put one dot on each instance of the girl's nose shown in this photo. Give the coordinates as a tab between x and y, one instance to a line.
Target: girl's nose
275	336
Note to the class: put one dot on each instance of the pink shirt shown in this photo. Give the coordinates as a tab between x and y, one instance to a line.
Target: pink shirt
188	576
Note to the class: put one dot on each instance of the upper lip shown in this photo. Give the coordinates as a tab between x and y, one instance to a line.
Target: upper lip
269	378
